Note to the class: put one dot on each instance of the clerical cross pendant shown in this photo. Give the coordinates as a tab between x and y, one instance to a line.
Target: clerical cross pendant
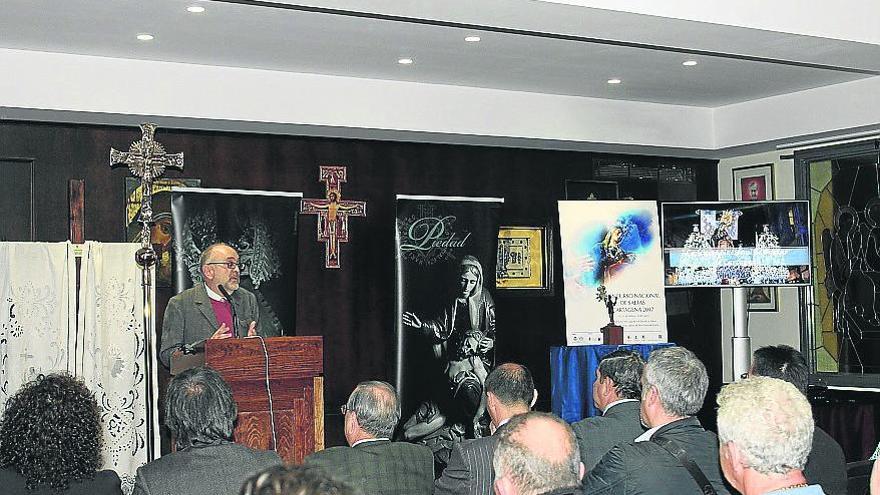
333	213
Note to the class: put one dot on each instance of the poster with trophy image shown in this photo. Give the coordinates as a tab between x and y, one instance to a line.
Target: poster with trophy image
612	270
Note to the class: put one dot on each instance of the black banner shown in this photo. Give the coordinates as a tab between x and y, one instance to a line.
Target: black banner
261	226
446	250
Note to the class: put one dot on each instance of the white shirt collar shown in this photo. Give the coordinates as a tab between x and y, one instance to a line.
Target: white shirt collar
646	436
365	440
213	295
621	401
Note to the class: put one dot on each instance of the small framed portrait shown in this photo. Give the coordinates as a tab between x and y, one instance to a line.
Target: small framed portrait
762	299
753	183
524	264
591	189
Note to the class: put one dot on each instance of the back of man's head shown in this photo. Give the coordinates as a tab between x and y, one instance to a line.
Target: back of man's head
783	362
536	453
769	421
295	480
679	378
199	408
512	384
377	408
624	368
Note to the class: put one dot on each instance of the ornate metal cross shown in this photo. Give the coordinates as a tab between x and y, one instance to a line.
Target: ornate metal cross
333	212
147	160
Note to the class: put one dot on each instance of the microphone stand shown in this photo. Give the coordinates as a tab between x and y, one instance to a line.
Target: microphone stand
225	294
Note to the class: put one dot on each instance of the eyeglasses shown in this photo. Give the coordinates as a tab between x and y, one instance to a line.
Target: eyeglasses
230	265
344	409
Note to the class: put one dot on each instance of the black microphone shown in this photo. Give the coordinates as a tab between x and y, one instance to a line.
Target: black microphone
231	306
195	347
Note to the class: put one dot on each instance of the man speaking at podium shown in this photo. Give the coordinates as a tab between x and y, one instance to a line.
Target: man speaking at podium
217	309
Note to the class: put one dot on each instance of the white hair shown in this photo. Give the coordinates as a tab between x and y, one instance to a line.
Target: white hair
680	379
769	420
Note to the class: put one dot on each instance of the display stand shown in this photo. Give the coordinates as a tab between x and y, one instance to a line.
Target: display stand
740	340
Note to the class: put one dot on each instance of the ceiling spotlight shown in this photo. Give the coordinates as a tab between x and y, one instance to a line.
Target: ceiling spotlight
195	9
145	37
689	63
404	61
614	81
472	39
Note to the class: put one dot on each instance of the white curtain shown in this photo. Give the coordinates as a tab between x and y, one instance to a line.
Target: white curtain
103	343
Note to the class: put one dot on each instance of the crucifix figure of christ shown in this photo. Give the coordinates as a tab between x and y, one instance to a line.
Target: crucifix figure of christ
147	160
333	212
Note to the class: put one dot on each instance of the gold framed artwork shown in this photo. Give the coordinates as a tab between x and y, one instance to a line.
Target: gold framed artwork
524	265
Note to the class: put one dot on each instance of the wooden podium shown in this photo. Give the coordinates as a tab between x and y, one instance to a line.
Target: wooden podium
295	368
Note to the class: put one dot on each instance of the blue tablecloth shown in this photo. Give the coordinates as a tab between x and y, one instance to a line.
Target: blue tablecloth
572	373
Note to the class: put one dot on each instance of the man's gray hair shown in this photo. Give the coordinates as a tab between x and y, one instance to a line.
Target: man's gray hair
376	406
680	379
531	471
208	251
769	420
624	368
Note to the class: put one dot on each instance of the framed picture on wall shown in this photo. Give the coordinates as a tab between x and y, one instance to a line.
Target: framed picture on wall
763	299
590	189
753	183
524	264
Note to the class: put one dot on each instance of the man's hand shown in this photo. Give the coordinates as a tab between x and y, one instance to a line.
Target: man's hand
410	319
222	332
252	329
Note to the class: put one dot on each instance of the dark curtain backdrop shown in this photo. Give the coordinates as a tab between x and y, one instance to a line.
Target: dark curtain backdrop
353	307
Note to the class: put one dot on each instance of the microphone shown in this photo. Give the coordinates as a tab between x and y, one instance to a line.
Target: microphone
194	347
232	307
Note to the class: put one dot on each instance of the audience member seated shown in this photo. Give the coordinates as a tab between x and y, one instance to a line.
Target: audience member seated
50	441
295	480
826	465
373	462
674	385
537	453
510	390
616	393
765	428
199	412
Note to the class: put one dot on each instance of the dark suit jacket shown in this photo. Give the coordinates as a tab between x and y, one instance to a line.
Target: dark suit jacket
105	483
380	467
469	470
645	468
826	465
598	434
190	318
210	470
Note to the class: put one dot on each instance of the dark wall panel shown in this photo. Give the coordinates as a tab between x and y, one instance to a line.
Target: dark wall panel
353	307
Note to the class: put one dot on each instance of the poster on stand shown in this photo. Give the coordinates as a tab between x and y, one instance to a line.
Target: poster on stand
612	263
261	226
445	278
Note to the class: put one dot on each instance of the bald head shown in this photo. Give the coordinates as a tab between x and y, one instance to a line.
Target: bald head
536	453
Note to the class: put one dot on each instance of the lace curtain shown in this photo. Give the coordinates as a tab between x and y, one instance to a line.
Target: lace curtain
103	343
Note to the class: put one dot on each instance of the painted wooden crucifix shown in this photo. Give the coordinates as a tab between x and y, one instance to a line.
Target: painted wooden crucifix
333	212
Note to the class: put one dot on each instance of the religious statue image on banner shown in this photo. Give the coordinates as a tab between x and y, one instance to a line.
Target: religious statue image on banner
162	233
447	319
613	270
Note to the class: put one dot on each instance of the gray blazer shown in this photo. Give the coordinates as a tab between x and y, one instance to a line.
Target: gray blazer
469	470
190	318
596	435
208	470
380	467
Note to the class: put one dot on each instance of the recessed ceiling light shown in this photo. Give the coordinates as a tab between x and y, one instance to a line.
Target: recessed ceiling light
472	39
195	9
145	37
614	81
404	61
689	63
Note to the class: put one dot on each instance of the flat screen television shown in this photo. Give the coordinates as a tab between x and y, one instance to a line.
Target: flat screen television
736	243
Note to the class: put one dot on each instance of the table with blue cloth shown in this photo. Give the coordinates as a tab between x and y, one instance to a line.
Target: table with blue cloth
572	373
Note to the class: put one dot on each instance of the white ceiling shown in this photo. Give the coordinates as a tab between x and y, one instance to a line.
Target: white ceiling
526	45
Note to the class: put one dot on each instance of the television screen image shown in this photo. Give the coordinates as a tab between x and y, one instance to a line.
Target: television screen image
736	244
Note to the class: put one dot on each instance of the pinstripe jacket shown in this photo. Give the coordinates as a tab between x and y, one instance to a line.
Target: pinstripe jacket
379	467
469	471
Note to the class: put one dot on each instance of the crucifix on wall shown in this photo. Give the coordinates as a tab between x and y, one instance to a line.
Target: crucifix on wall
333	213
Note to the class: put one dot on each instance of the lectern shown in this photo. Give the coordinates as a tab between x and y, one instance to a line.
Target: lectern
295	366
